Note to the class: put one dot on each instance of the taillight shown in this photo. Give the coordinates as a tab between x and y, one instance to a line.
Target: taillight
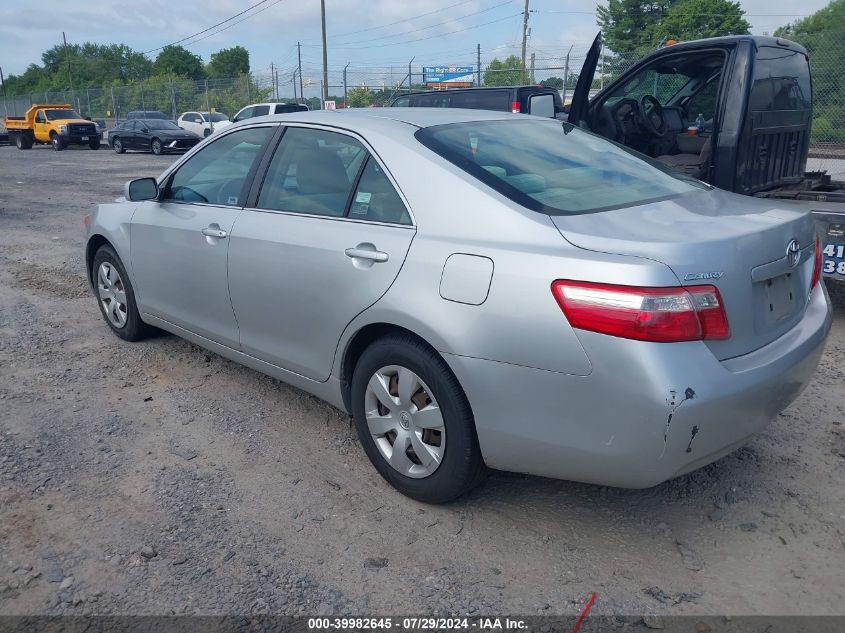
515	107
86	219
661	315
817	264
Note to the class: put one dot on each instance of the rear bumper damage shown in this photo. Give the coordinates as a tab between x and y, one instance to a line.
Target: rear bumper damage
647	412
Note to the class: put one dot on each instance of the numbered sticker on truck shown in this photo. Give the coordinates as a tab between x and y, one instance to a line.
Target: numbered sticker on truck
834	259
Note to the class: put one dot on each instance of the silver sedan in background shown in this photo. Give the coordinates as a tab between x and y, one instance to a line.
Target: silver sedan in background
477	289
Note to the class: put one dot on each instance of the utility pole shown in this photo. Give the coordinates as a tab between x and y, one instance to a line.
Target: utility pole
325	87
294	86
532	68
5	96
276	85
478	59
69	74
410	76
566	73
299	55
524	38
273	79
344	84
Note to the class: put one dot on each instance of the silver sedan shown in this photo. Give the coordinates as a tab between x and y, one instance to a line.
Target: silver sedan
477	289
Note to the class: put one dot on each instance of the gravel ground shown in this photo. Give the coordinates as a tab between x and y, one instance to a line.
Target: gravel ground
158	478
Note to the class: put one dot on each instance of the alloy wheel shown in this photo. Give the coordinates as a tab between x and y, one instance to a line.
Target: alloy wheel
405	421
112	294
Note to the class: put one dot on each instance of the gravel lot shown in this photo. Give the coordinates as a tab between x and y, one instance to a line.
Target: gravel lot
158	478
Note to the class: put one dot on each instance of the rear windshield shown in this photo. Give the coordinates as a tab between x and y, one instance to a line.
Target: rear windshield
554	167
781	80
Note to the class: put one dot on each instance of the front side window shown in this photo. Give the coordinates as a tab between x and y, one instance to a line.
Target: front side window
261	110
312	171
246	113
552	167
39	117
217	173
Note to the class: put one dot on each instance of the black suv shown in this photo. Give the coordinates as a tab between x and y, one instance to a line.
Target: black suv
526	99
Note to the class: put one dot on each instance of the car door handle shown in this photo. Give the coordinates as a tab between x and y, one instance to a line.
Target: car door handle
366	253
218	233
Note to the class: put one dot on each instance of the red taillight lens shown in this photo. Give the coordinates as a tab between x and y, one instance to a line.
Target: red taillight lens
86	219
661	315
817	264
515	107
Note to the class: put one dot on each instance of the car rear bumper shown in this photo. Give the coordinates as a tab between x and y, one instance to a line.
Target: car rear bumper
646	413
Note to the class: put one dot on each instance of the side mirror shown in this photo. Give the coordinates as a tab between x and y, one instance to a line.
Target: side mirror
145	130
141	189
542	105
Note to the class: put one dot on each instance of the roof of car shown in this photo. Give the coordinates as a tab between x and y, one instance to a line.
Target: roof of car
758	40
372	117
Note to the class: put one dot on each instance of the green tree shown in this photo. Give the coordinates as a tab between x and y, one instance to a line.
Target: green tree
359	97
229	62
553	82
179	61
626	25
697	19
504	73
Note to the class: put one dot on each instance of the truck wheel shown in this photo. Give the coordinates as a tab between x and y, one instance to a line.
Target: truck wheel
23	141
117	146
94	143
156	147
57	142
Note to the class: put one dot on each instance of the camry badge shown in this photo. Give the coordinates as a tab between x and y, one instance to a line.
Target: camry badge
716	274
793	253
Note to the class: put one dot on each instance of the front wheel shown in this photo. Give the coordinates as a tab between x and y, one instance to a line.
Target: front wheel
156	147
117	146
94	143
57	142
414	420
116	296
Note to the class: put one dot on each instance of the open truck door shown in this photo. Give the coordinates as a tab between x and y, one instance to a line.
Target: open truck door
581	97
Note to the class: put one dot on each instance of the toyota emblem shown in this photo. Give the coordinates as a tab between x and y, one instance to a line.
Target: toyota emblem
793	253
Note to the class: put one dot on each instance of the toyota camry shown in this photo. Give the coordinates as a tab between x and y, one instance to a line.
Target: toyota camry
478	289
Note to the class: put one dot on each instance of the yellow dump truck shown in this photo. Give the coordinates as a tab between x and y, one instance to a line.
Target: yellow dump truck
54	123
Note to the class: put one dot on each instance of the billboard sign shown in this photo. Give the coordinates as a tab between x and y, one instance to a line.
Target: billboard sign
448	74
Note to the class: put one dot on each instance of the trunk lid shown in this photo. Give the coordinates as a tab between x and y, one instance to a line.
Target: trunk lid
735	243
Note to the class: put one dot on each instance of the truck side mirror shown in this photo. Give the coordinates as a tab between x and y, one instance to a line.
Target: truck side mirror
141	189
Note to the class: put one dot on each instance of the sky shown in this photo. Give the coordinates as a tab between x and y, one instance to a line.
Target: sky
377	38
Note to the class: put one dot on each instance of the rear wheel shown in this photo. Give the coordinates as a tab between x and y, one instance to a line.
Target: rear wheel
117	146
57	142
156	147
116	296
23	140
414	420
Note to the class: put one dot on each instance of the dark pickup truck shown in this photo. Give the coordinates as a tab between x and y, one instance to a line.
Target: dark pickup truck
754	94
536	100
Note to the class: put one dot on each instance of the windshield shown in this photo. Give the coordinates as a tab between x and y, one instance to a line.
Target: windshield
159	124
554	167
55	115
214	117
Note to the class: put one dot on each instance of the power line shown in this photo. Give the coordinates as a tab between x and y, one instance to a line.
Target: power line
414	17
229	19
269	6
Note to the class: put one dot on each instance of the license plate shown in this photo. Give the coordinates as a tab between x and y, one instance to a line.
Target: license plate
84	138
780	297
833	259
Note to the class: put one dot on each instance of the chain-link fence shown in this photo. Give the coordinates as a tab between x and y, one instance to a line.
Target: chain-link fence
380	85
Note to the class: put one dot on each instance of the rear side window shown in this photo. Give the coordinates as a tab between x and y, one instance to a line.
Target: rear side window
483	100
402	102
261	110
432	100
375	198
781	80
554	167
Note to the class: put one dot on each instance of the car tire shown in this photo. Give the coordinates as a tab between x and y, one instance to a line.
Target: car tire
460	466
206	133
117	146
57	142
111	284
156	147
94	144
